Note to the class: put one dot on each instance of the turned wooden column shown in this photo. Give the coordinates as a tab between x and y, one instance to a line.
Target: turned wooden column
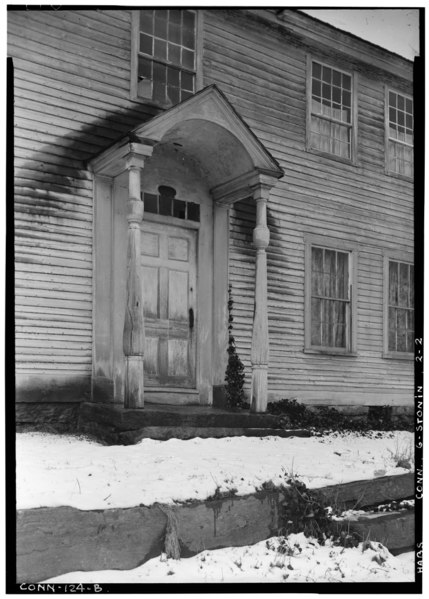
134	338
259	353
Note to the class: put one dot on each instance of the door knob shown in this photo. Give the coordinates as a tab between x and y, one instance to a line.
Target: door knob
191	318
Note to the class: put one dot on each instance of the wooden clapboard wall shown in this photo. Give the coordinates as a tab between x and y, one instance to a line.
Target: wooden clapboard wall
263	73
72	82
72	90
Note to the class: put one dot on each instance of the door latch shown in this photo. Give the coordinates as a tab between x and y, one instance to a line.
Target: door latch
191	318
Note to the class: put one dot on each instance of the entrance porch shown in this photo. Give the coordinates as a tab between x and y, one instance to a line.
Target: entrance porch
162	199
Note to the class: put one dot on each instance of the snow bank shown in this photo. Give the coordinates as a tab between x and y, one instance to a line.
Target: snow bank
304	561
60	470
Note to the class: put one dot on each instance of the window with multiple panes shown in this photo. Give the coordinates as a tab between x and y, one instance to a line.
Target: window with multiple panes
400	127
331	114
166	55
165	204
400	307
330	299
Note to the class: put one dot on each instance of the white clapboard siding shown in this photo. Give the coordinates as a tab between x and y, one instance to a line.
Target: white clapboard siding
357	203
72	81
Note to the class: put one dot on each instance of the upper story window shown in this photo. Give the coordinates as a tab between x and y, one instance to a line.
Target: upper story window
331	111
164	55
399	127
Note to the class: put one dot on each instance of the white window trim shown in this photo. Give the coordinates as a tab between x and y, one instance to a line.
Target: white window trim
337	245
354	111
407	258
386	131
135	29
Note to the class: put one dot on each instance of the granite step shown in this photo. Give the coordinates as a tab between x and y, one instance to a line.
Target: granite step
116	425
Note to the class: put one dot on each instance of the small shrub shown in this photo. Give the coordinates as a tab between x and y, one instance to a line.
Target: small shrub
324	418
307	511
234	375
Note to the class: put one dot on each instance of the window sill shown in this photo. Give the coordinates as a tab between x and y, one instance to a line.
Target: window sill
349	161
150	102
409	357
399	176
330	352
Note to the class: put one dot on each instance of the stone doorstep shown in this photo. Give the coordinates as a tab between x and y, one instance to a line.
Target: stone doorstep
53	541
168	415
116	425
163	433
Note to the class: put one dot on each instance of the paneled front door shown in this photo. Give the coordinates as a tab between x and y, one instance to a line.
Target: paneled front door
168	262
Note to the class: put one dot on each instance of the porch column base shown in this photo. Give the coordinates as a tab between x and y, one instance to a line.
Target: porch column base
134	394
259	388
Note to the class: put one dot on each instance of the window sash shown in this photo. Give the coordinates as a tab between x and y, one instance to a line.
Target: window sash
330	305
399	123
400	307
331	110
165	60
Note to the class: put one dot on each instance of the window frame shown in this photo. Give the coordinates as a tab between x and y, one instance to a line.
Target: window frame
387	138
135	30
338	246
353	107
405	258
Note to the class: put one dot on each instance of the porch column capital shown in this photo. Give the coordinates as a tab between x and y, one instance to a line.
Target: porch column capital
121	157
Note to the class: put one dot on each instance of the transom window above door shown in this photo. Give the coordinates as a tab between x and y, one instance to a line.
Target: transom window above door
166	204
330	111
164	48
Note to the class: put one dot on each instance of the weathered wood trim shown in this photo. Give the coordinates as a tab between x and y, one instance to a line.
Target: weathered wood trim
260	344
355	118
335	244
199	48
134	54
315	32
388	255
220	292
308	96
102	292
134	334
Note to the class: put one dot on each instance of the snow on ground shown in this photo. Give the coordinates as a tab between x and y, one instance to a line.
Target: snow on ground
59	470
304	561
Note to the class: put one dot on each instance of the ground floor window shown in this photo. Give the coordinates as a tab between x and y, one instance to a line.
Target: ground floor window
329	299
399	307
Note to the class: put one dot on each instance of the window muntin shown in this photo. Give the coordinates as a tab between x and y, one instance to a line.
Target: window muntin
400	309
168	205
400	128
166	64
330	298
331	111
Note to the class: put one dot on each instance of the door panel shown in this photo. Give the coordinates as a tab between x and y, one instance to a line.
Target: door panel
169	290
151	291
178	292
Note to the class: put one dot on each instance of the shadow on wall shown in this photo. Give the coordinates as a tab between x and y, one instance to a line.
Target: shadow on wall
60	166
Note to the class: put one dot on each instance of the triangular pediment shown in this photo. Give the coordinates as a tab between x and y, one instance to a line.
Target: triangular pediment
211	105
